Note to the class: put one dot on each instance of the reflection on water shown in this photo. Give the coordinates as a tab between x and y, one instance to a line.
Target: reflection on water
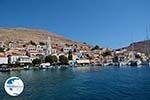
82	83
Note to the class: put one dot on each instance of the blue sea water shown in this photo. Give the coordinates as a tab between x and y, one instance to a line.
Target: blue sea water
82	83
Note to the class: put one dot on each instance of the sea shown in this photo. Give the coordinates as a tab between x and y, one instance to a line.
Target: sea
82	83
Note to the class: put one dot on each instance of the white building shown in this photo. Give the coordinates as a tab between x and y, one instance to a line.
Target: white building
67	49
83	61
24	60
1	43
3	60
20	59
54	51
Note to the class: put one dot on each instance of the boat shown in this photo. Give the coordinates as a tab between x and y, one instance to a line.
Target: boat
119	64
136	62
4	68
139	62
146	63
26	67
44	65
133	63
106	64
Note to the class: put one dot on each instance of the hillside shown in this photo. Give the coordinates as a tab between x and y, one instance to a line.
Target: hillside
141	46
24	34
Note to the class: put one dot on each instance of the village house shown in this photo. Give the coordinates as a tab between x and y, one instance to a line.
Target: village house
67	49
20	59
120	55
54	51
1	44
34	51
83	62
16	51
3	58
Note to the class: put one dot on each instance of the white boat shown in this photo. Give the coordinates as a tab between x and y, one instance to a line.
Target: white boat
122	63
139	62
135	62
44	65
105	64
26	67
147	63
4	68
132	63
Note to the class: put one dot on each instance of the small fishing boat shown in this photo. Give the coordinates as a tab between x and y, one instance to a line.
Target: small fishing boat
26	67
147	63
44	65
133	63
4	68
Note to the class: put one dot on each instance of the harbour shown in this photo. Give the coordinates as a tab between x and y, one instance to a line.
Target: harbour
78	83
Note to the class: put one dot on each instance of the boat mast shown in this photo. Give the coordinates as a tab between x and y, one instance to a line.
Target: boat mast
132	47
132	43
147	38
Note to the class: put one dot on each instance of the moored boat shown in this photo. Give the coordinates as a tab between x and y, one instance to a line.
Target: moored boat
133	63
44	65
26	67
4	68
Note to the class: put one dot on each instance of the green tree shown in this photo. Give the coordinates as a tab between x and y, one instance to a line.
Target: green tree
32	43
88	57
36	61
84	43
51	59
62	49
106	53
9	59
1	49
42	43
70	55
63	59
95	48
74	50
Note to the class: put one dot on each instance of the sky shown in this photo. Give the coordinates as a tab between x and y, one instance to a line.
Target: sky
107	23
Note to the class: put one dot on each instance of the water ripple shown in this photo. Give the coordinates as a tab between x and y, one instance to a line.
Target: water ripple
82	83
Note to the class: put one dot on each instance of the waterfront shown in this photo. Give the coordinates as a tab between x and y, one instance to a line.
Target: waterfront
82	83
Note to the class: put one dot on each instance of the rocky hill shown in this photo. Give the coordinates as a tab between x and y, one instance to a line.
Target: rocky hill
24	34
141	46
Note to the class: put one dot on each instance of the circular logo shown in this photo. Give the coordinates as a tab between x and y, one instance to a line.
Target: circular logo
14	86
